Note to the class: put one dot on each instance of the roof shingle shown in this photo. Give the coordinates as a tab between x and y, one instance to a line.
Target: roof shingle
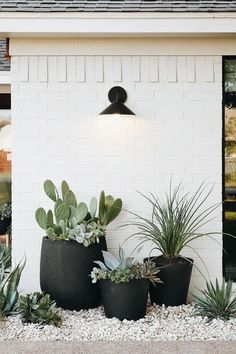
117	6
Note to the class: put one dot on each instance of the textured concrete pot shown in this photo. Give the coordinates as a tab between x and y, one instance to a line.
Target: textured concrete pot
125	300
4	224
65	267
175	275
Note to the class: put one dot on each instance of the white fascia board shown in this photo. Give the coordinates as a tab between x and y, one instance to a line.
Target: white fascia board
110	24
5	77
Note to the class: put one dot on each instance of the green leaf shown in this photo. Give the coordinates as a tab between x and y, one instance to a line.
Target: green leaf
64	189
114	211
109	200
101	212
70	199
49	218
51	234
41	218
93	207
82	211
58	202
50	190
62	212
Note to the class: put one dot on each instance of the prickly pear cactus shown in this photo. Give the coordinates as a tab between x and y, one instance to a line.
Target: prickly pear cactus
70	220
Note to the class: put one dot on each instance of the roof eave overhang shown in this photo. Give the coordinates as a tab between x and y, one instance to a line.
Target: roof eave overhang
20	24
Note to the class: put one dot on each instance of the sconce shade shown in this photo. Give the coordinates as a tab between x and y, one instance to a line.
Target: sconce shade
117	96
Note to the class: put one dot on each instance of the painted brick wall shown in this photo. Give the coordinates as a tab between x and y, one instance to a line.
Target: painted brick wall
58	135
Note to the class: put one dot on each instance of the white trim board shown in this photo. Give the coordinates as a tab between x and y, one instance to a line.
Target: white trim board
5	77
122	46
110	25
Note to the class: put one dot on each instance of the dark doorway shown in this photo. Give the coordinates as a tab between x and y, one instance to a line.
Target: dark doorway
229	167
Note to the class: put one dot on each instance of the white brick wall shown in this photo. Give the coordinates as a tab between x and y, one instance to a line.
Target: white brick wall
58	134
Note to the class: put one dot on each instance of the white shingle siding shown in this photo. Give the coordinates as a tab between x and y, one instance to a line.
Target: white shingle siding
177	132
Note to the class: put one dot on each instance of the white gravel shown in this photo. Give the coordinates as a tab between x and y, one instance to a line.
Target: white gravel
160	323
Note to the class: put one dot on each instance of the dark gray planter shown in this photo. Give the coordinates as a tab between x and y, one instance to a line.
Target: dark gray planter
125	300
4	224
65	267
175	274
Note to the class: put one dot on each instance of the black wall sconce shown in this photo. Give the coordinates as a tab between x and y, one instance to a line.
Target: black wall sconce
117	96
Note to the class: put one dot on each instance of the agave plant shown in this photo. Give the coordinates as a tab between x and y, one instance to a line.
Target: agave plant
72	220
9	288
175	222
216	301
123	269
5	257
38	308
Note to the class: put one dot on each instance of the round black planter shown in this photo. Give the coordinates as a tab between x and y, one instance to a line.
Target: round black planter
125	300
4	224
65	267
175	276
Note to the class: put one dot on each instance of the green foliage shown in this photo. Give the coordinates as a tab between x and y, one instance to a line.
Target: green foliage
216	301
72	220
5	211
176	221
109	208
87	233
5	256
50	190
9	288
123	269
38	308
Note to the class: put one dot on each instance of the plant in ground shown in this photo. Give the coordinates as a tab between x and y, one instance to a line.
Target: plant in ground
71	220
9	282
5	257
216	301
123	269
38	308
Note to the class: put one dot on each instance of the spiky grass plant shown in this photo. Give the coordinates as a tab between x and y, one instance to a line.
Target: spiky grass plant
216	301
175	221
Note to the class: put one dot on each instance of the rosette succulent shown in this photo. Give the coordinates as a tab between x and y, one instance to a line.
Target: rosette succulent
123	269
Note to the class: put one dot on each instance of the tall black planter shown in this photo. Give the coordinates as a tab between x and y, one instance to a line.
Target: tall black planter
176	277
4	224
125	300
65	267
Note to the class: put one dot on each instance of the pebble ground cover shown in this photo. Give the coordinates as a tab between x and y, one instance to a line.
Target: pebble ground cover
160	323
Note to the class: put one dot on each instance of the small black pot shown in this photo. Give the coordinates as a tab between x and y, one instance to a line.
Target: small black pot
175	273
4	224
65	267
125	300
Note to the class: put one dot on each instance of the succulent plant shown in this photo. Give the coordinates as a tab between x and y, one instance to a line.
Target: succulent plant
72	220
5	256
38	308
216	301
123	269
87	233
9	288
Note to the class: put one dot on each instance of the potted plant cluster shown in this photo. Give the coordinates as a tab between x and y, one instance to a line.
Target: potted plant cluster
75	237
124	285
5	217
174	223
